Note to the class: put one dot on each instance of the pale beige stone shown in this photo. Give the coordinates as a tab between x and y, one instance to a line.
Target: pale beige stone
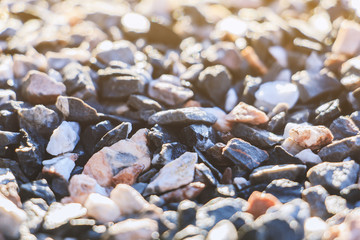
134	229
348	39
221	124
313	137
245	113
101	208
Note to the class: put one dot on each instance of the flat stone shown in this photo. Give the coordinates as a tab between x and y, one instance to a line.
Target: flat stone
313	137
64	138
81	186
279	155
285	190
116	134
340	149
343	44
101	208
173	175
293	172
334	176
244	154
190	191
134	229
60	166
128	175
107	162
128	199
225	229
272	93
215	81
75	109
258	137
316	196
140	102
199	136
182	116
307	156
39	88
343	127
314	85
327	112
37	189
9	138
168	152
122	50
260	202
244	113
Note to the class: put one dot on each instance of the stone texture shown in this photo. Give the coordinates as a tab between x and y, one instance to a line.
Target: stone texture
244	154
245	113
260	202
198	135
334	176
39	88
101	208
106	163
140	102
313	137
340	149
225	229
116	134
327	112
182	116
37	189
75	109
35	209
343	43
285	190
134	229
307	156
128	175
174	174
168	152
122	50
335	204
60	166
64	138
190	191
343	127
316	196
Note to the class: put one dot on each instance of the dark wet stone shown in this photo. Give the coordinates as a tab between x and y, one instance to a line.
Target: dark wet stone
216	156
266	174
35	209
199	136
159	135
93	133
140	102
168	152
351	193
37	189
159	33
8	121
246	191
258	137
355	117
244	154
335	204
279	155
316	196
300	116
114	135
187	213
59	186
343	127
327	112
312	86
215	81
147	176
284	189
334	176
251	85
75	109
182	116
241	218
9	138
218	209
277	123
227	176
15	169
340	149
203	174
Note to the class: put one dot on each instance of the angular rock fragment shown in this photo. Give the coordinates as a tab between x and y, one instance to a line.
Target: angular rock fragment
74	109
9	138
140	102
114	135
260	202
168	152
245	113
327	112
285	190
313	137
61	166
199	136
343	127
340	149
101	208
128	175
37	189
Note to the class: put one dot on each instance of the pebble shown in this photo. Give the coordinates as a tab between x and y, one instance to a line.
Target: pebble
327	112
340	149
173	175
133	229
272	93
190	191
198	135
265	174
140	102
168	152
316	196
37	189
245	113
351	193
215	81
6	95
343	127
128	175
64	138
114	135
61	165
334	176
101	208
260	202
335	204
182	116
122	50
343	44
307	156
313	137
223	230
106	163
75	109
284	190
39	88
9	187
244	154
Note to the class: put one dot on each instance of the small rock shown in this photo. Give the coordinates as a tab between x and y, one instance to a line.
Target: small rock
272	93
35	209
116	134
277	123
204	174
168	152
225	229
190	191
122	50
245	113
350	82
316	196
307	156
215	81
128	199
174	174
313	137
140	102
75	109
221	123
106	163
39	88
334	176
133	229
260	202
335	204
183	116
285	190
340	149
128	175
343	127
9	138
61	165
314	228
186	213
37	189
231	99
64	138
199	136
351	193
327	112
6	95
159	135
9	186
293	172
343	43
244	154
101	208
279	156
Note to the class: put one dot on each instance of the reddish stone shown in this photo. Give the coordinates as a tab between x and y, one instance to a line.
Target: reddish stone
260	202
192	103
190	191
128	175
245	113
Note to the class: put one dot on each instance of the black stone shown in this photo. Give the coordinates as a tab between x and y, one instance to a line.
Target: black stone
257	137
203	159
15	169
251	85
300	116
341	149
37	189
215	155
285	190
75	109
198	135
244	154
168	153
114	135
316	196
279	155
277	123
159	135
147	176
343	127
327	112
140	102
246	191
8	121
9	138
187	214
351	193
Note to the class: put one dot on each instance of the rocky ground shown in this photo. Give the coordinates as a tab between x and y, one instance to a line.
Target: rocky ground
233	119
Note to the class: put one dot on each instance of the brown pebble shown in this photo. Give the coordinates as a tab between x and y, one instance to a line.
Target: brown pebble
128	175
260	202
245	113
190	191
